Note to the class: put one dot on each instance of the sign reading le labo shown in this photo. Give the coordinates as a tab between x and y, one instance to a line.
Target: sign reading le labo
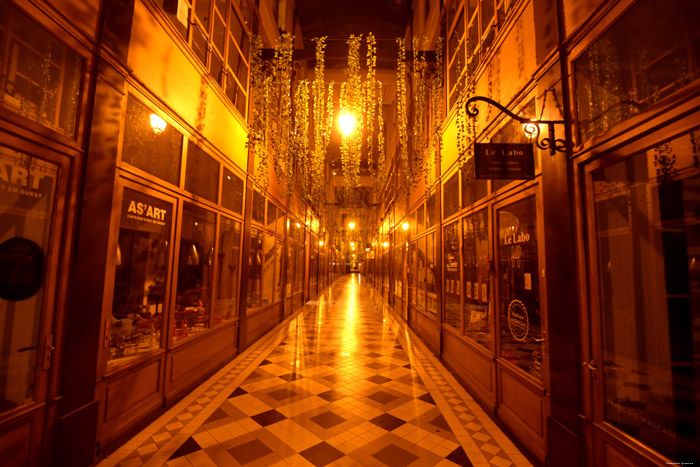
504	161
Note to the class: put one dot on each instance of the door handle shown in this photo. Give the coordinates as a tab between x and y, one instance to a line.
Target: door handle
591	365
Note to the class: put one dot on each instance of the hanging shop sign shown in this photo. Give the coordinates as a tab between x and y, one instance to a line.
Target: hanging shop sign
504	161
145	213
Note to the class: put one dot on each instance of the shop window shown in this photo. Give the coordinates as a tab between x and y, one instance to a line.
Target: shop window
271	216
475	257
451	282
646	55
411	269
255	261
277	296
195	268
432	303
226	306
420	219
647	231
472	189
40	78
420	273
141	276
431	212
520	314
202	173
450	196
299	271
399	265
268	268
258	208
155	151
232	192
290	270
27	196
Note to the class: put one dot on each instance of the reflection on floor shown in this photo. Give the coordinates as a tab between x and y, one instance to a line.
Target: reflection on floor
342	383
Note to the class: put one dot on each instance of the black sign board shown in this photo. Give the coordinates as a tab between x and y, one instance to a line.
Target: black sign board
504	161
21	269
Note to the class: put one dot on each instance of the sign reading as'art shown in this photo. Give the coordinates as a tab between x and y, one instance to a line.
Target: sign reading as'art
145	213
504	161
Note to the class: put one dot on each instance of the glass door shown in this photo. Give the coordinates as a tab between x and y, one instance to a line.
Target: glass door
644	243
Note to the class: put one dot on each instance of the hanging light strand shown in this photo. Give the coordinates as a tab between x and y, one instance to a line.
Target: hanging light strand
401	106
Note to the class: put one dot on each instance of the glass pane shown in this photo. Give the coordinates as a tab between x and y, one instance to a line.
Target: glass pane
255	268
486	14
227	278
232	192
280	221
199	44
233	56
420	219
278	270
290	270
268	268
475	256
648	236
202	173
271	216
299	272
521	327
450	196
179	14
141	275
202	8
153	151
421	273
451	283
430	275
645	56
40	78
258	207
27	191
513	132
219	35
472	189
234	24
412	293
431	211
217	68
195	268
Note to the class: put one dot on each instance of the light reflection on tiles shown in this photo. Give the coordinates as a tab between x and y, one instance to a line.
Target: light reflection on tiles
334	386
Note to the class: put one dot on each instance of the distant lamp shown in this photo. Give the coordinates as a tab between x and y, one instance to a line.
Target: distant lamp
158	124
386	244
119	255
351	226
347	123
352	243
320	242
405	226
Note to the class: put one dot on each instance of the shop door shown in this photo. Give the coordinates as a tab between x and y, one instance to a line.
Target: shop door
32	197
643	211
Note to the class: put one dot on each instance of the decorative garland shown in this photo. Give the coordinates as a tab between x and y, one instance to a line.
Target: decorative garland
351	101
436	97
301	138
321	131
419	85
401	107
281	128
370	101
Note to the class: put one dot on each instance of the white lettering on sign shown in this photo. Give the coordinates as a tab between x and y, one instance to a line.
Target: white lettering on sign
149	211
17	175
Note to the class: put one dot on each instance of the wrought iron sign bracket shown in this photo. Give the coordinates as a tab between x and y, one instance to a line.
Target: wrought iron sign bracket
531	127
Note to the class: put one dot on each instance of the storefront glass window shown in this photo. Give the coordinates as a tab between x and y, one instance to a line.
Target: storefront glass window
278	270
399	264
648	235
520	314
141	275
258	208
299	265
420	273
232	192
475	256
255	261
290	269
431	212
648	54
154	151
40	77
202	173
268	268
271	216
412	292
450	196
451	283
195	268
27	191
226	306
472	189
431	306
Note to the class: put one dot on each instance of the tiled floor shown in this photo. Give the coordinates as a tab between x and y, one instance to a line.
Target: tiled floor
343	383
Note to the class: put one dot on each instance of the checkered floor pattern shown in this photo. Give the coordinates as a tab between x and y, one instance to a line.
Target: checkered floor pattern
342	383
